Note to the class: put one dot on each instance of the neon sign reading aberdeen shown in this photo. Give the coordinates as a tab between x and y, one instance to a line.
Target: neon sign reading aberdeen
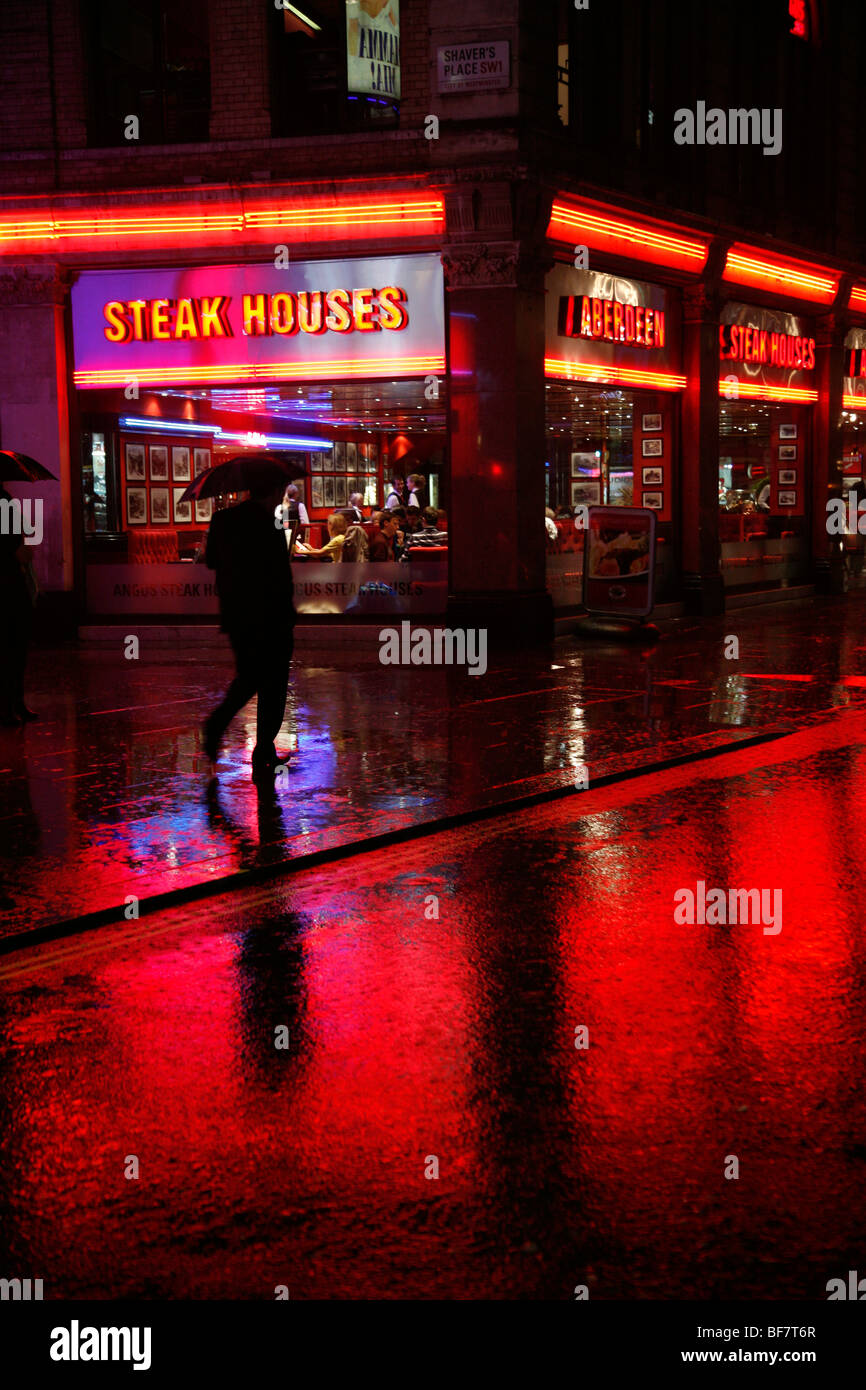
609	320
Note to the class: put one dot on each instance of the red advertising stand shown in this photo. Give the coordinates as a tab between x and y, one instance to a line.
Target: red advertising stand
619	569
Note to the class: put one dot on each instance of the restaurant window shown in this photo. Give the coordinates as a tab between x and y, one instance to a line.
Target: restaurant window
147	59
764	492
312	89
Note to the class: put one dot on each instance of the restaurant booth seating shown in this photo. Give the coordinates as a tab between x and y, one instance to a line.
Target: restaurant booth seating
152	547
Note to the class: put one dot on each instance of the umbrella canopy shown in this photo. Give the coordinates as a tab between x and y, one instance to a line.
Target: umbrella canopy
239	473
21	468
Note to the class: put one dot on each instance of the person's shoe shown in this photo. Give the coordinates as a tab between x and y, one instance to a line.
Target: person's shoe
24	713
265	767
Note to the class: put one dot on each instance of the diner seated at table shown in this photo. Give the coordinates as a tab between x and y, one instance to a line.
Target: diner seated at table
428	534
332	550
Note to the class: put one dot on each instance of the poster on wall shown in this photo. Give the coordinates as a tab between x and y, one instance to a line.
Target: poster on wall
182	510
373	48
180	464
203	508
135	463
159	513
202	461
136	506
158	463
317	496
619	560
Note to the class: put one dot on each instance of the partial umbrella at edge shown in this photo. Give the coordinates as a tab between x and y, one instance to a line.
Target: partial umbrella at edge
21	468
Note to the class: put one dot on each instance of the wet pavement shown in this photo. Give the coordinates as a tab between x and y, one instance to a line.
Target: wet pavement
107	796
431	997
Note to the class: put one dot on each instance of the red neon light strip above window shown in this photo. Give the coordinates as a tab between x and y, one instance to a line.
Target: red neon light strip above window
413	215
747	265
857	299
757	391
623	376
269	371
636	240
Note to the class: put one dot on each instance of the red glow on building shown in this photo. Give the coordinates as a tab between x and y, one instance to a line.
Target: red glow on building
759	391
642	241
748	265
413	216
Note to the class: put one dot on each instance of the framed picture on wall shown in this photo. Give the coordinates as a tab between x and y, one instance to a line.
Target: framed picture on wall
787	431
650	422
583	463
182	510
787	499
787	477
652	500
373	454
338	456
317	495
329	492
352	456
136	506
340	492
180	464
652	448
787	451
653	477
159	513
203	508
159	464
316	460
586	493
201	461
371	491
135	463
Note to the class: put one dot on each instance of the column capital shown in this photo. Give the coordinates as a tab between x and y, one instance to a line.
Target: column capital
831	329
702	303
494	265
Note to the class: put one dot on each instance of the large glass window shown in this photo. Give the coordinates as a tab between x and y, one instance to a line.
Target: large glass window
148	59
764	492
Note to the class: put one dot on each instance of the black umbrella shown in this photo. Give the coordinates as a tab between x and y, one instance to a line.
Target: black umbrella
238	473
21	468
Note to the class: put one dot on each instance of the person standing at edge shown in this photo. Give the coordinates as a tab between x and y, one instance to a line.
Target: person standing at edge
15	622
247	550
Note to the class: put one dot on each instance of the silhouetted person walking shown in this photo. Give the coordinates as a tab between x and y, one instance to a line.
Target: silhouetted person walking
254	581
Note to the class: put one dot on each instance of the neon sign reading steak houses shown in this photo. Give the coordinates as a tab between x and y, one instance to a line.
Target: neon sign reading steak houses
285	313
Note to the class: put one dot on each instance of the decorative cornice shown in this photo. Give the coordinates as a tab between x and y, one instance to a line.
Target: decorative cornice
31	286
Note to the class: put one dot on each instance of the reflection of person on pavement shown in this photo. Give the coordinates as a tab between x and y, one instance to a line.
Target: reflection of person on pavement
15	621
254	583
